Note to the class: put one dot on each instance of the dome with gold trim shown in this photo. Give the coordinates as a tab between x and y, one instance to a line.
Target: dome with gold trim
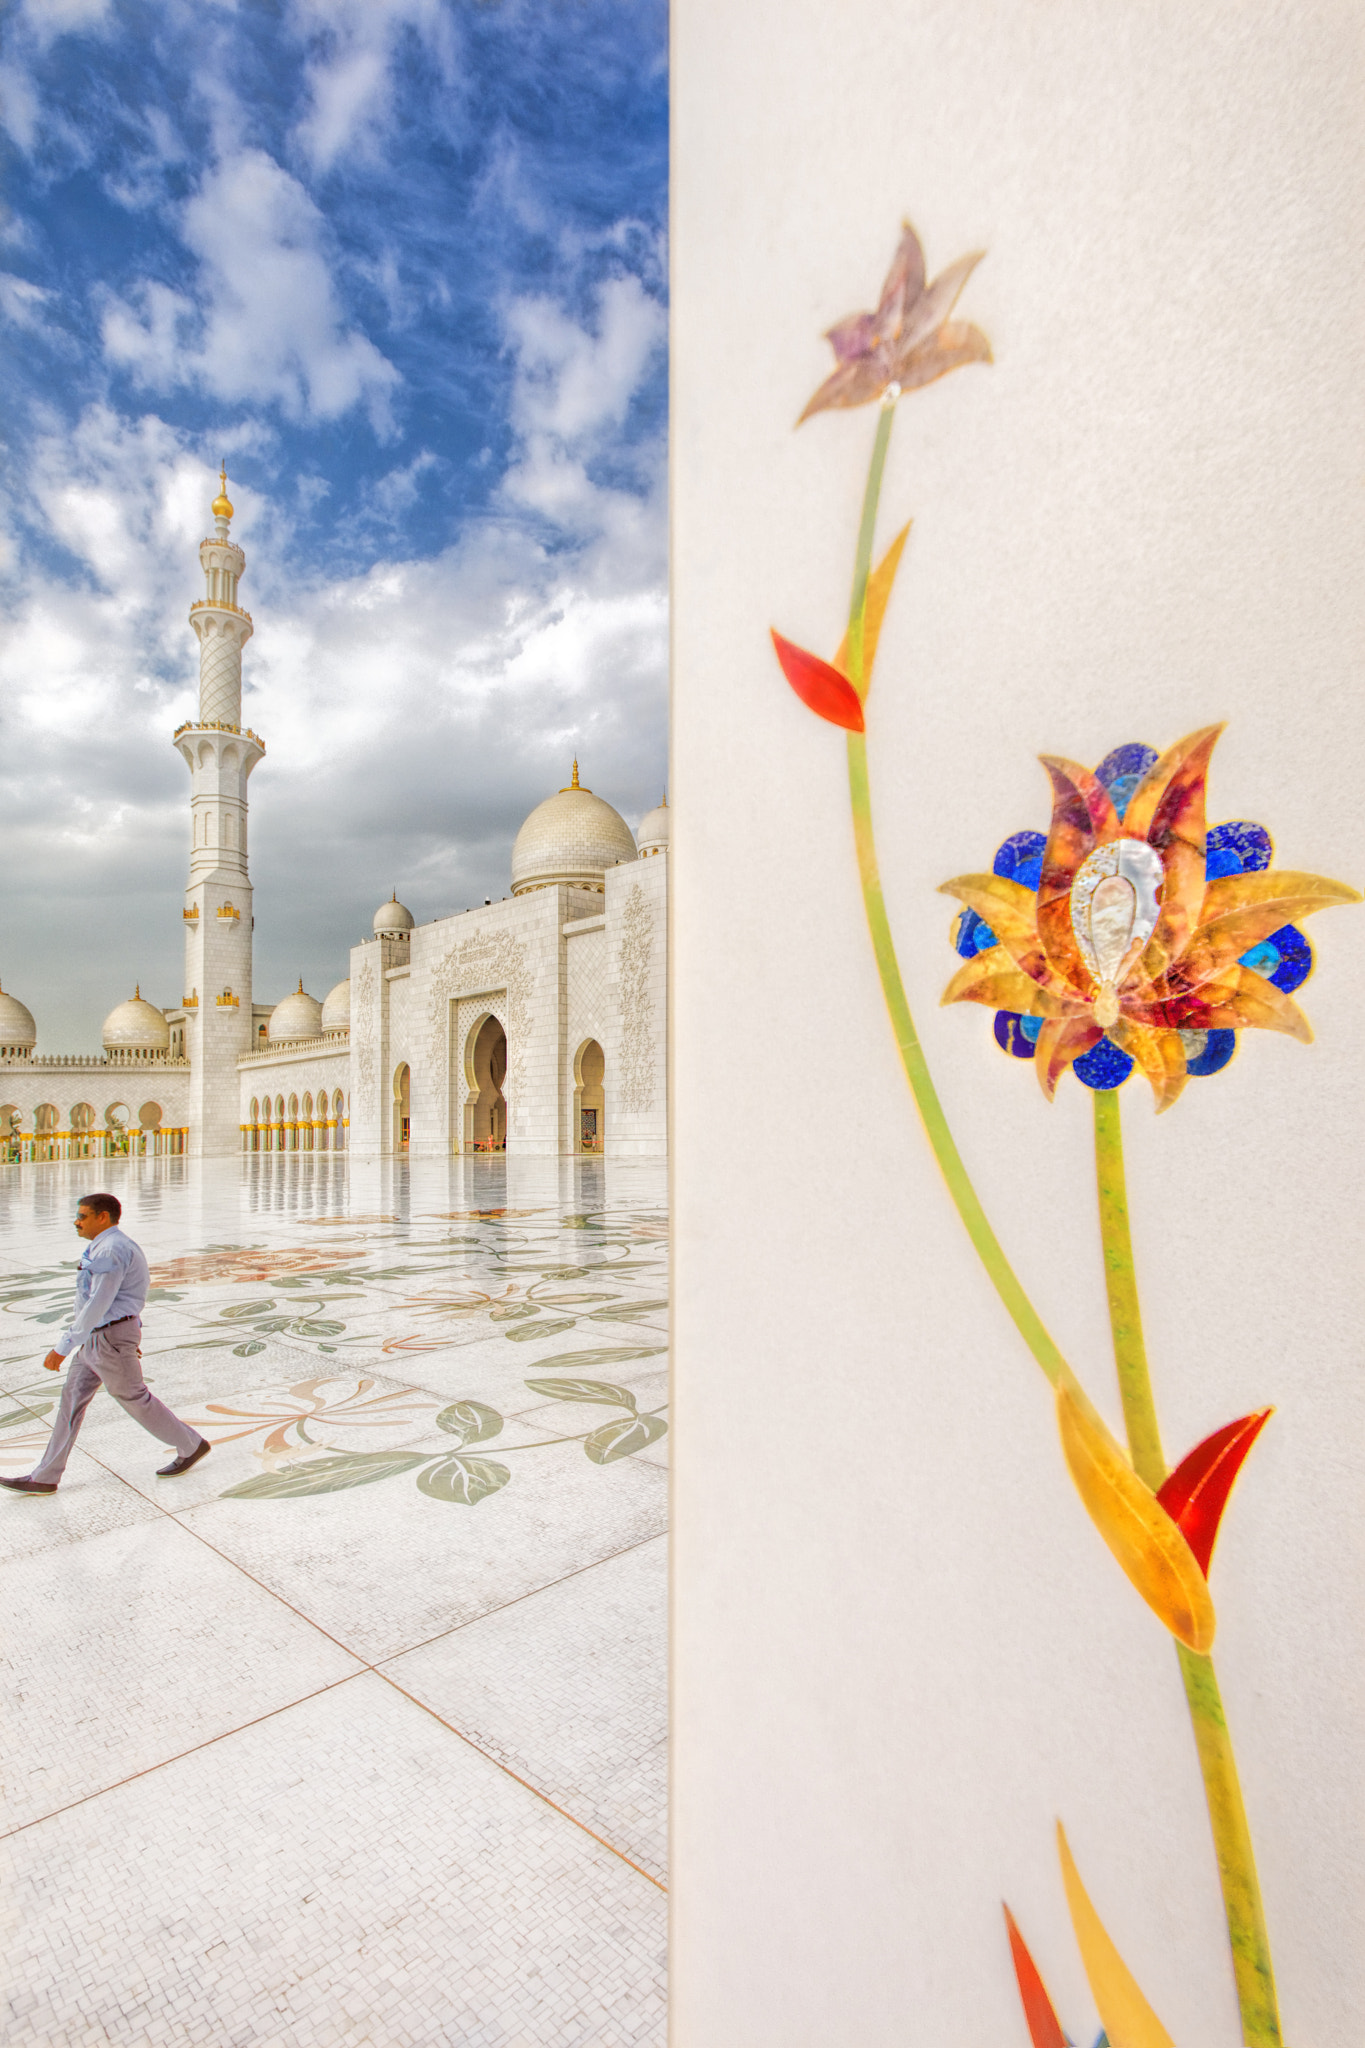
652	836
18	1032
136	1026
298	1016
393	920
573	837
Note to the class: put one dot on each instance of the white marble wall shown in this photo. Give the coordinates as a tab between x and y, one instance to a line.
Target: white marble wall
636	1010
24	1085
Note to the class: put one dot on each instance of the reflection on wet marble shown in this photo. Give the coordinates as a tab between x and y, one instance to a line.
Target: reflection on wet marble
355	1733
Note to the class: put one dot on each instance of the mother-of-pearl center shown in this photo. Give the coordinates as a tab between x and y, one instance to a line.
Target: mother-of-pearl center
1115	902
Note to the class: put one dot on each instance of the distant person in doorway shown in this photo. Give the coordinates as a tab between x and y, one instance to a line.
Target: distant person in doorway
105	1337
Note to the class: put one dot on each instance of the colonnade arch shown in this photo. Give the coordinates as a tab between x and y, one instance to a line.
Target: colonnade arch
485	1064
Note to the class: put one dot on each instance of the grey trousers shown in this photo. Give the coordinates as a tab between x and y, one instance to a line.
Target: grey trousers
109	1358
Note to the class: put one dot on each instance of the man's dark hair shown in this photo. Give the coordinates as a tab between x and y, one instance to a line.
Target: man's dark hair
103	1205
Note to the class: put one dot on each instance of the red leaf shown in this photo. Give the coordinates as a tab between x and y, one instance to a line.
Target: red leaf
1196	1493
820	686
1045	2029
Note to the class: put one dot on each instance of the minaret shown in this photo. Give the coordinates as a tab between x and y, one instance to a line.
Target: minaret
220	756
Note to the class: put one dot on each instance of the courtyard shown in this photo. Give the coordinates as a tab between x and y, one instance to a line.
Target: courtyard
354	1733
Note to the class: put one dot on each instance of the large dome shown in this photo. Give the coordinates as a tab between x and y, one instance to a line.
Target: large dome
393	920
572	837
298	1016
652	836
336	1008
18	1032
136	1026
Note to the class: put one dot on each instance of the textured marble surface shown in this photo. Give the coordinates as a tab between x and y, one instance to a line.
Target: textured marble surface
354	1733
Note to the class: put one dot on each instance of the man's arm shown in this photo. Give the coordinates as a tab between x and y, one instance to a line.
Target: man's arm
104	1286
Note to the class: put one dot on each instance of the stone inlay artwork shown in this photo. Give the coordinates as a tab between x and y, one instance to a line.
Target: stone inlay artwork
637	1005
1128	937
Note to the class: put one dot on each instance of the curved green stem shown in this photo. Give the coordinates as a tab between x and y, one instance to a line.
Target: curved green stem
1227	1813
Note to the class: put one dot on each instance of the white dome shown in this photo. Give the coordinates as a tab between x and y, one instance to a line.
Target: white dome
298	1016
136	1026
652	836
17	1028
573	837
336	1008
393	920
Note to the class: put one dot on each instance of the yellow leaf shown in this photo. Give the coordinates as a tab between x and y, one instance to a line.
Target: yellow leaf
1148	1545
1128	2020
874	611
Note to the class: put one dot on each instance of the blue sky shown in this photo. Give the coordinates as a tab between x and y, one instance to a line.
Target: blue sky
402	263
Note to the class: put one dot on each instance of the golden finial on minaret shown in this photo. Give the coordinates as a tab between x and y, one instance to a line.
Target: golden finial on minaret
575	783
222	504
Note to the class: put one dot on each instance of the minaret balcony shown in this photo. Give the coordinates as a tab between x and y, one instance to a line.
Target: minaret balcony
219	604
218	725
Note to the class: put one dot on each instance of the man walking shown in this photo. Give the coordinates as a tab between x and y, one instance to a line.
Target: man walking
105	1335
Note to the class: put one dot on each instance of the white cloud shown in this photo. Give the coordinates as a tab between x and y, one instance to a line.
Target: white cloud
22	302
266	323
348	77
48	19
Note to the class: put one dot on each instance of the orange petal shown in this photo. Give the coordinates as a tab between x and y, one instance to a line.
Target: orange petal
874	611
1044	2027
992	977
1149	1547
1236	1000
1159	1054
1083	817
821	688
1128	2020
1060	1042
1167	810
954	346
1196	1493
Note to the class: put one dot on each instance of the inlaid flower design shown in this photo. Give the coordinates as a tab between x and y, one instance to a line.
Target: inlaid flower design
1131	935
908	341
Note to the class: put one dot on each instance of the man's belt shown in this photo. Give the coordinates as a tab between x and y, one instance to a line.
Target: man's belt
116	1321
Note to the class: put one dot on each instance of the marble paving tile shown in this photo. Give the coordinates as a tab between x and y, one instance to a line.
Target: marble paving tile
569	1689
346	1873
131	1646
89	1501
384	1567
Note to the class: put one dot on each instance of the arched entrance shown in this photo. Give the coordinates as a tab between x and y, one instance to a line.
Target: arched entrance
589	1108
402	1107
485	1112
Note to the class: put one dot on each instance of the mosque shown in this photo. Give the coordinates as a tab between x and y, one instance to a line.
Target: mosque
535	1025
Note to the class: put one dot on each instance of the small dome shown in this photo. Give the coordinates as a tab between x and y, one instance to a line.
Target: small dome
573	837
136	1026
18	1032
336	1008
652	836
393	920
298	1016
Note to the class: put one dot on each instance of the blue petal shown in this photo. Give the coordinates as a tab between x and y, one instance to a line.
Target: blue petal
1010	1035
1031	1026
1262	959
1104	1066
972	935
1021	858
1123	770
1296	958
1237	849
1208	1052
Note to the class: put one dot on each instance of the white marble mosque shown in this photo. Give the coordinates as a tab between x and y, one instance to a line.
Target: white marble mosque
535	1025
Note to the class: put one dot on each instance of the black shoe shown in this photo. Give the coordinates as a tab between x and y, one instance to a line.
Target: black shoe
29	1485
201	1450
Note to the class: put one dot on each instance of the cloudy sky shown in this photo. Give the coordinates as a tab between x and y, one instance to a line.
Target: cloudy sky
402	263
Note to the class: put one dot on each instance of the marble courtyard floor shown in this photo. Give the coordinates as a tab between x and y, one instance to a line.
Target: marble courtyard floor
354	1733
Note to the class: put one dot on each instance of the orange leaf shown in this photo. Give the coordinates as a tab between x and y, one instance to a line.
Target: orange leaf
1148	1544
1128	2019
1044	2027
874	610
822	688
1196	1493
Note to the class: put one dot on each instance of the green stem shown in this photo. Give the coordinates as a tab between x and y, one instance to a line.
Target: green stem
1025	1317
1227	1813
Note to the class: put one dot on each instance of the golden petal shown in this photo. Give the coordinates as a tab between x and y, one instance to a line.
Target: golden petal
1236	999
1160	1054
1167	810
1062	1040
1011	912
1148	1545
1225	933
993	978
